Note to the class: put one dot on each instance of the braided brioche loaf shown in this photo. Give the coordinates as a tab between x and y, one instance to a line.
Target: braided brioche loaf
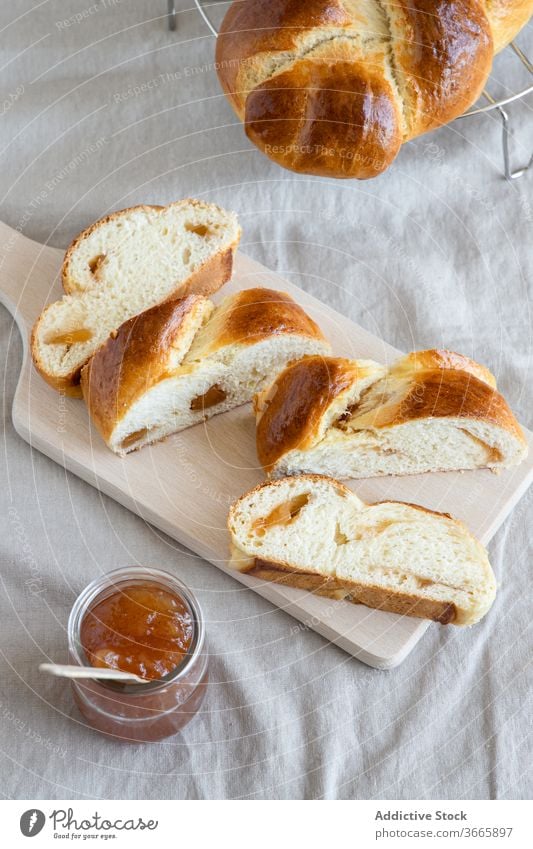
334	87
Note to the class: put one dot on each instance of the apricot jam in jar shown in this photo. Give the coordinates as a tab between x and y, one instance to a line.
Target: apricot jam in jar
144	621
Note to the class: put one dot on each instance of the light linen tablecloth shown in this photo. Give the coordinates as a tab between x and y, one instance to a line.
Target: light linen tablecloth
104	108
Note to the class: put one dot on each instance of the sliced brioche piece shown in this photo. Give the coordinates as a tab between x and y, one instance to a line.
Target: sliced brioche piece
123	265
312	532
147	243
431	411
306	399
137	358
185	361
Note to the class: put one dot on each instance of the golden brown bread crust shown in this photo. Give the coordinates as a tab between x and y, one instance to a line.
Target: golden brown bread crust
439	358
340	119
255	314
210	276
303	391
251	29
375	596
442	58
445	393
133	360
330	87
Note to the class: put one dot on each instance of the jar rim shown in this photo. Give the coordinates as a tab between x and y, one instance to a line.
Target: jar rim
122	576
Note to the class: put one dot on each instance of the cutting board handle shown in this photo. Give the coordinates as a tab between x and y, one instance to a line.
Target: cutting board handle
29	276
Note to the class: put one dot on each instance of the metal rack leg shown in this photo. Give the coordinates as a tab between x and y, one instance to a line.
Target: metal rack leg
171	15
506	136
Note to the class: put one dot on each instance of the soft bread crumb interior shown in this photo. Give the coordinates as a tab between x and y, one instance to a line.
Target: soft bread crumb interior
410	448
206	386
316	526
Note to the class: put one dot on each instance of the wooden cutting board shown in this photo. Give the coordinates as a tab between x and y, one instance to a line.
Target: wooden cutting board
184	485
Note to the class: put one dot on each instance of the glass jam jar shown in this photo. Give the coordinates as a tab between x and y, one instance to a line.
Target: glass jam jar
142	712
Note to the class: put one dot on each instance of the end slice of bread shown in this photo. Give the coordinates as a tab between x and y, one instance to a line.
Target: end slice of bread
123	265
312	532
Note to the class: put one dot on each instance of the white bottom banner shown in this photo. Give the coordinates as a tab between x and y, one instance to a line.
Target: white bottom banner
258	825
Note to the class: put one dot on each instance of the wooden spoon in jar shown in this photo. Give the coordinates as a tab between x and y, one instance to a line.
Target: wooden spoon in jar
66	671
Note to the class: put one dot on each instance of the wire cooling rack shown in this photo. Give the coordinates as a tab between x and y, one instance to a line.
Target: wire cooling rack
491	105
